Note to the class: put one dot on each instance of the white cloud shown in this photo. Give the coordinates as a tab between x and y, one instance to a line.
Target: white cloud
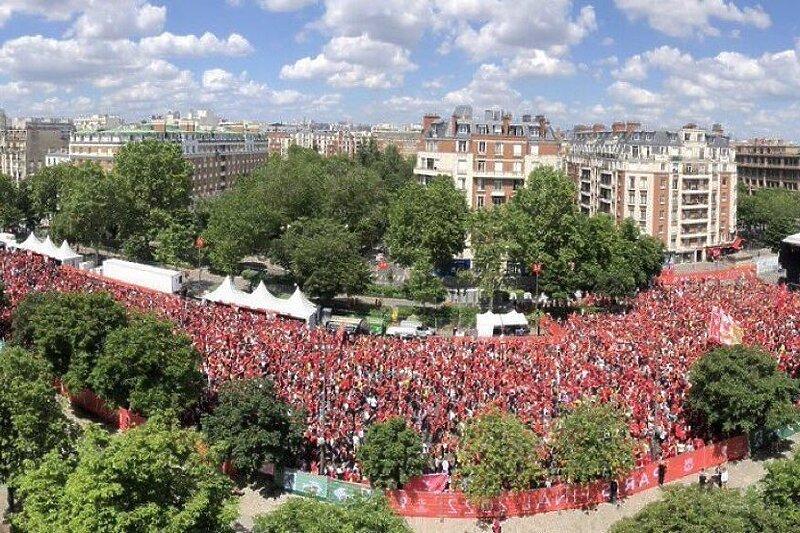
168	44
489	87
636	67
114	19
633	95
538	63
394	21
683	18
285	5
354	62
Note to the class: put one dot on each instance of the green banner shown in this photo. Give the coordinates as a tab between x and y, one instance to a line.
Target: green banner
321	487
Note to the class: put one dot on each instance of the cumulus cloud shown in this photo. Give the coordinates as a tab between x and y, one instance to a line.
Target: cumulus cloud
684	18
354	62
168	44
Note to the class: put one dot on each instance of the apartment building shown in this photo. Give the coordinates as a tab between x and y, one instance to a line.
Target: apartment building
488	157
24	146
217	158
327	142
679	186
770	163
98	122
405	139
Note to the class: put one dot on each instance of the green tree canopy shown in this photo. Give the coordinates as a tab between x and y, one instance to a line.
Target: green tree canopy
691	508
781	488
46	187
371	515
148	367
769	215
156	173
68	330
423	285
427	223
592	441
93	209
323	257
391	454
12	212
156	477
740	389
490	246
498	453
31	421
251	426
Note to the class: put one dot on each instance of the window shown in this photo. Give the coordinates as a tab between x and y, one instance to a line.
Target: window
481	184
462	146
517	167
462	183
481	166
498	148
498	167
498	200
430	146
631	182
517	150
480	201
498	185
643	197
482	147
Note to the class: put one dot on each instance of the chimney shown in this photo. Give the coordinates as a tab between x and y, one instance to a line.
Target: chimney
544	124
618	127
506	122
599	128
453	124
428	121
634	126
717	128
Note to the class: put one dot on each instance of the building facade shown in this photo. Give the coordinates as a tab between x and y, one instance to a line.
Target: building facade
217	159
488	157
679	186
768	163
98	122
25	145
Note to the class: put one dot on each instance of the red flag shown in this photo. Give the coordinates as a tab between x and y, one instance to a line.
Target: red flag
200	243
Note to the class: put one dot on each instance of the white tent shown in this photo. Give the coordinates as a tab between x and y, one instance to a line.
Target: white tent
49	249
68	256
486	322
32	244
264	300
299	306
227	293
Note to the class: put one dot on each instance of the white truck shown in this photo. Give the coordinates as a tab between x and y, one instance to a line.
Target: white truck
150	277
409	329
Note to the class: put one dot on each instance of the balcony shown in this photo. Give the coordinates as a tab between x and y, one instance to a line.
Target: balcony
487	173
697	205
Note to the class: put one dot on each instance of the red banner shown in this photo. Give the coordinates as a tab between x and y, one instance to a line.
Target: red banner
428	483
669	276
91	403
560	497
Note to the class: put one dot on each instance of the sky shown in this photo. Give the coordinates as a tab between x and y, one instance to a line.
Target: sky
661	62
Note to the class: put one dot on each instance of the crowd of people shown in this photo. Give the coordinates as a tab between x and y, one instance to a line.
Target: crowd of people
640	358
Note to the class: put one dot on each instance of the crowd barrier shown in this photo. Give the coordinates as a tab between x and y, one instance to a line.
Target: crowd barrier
121	418
669	276
561	497
322	487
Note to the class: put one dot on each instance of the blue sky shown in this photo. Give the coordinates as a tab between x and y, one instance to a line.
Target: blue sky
663	62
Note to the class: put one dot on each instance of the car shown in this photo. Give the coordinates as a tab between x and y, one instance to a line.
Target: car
409	329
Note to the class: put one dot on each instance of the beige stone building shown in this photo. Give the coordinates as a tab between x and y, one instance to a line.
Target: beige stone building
488	157
679	186
768	163
24	146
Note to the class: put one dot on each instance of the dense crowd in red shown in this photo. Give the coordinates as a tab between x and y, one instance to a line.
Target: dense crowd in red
641	358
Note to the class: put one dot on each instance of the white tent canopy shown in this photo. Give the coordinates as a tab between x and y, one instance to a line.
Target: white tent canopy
297	306
227	293
65	254
486	322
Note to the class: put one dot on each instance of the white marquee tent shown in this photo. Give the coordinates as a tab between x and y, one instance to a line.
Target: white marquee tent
297	306
486	322
65	254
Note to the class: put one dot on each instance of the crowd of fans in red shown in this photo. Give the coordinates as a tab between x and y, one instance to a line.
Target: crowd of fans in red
641	358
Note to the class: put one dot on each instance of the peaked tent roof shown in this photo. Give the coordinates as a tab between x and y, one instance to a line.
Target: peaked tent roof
486	322
300	306
227	293
264	300
31	243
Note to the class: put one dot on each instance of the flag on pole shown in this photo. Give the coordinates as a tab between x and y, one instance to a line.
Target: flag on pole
722	328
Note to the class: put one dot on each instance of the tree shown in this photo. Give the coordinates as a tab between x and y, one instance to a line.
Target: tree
427	223
740	390
696	509
592	441
240	223
45	189
67	330
323	258
769	215
176	240
156	477
423	285
781	488
31	421
250	426
11	213
92	209
157	175
370	515
147	367
490	247
497	453
391	454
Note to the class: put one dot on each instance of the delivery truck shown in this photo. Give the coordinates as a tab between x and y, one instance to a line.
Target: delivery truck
150	277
